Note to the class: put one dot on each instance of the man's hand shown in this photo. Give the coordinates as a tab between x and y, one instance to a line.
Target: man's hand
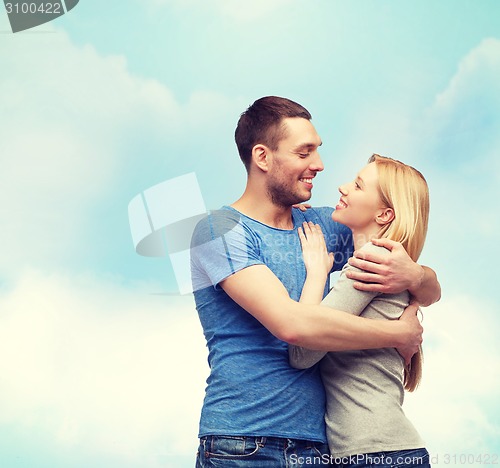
409	318
389	274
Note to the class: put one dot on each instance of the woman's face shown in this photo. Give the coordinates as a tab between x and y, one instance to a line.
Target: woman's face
360	200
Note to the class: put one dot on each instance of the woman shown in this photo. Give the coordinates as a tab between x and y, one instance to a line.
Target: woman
366	425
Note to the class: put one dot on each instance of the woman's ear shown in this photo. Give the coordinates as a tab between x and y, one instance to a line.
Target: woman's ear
384	216
260	157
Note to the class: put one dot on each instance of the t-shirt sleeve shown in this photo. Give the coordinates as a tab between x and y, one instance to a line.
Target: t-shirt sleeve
303	358
221	246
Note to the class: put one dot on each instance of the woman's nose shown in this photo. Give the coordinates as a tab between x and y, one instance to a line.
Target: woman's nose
343	190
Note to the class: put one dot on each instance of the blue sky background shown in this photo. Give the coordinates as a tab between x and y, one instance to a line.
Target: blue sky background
103	364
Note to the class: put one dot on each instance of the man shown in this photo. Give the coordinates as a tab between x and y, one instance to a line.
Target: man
248	273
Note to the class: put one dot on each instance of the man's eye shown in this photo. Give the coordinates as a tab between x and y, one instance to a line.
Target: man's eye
303	155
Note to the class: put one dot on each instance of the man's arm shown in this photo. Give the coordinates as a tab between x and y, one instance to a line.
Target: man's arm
395	273
260	293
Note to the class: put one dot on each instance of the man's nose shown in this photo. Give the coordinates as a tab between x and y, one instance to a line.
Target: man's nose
317	163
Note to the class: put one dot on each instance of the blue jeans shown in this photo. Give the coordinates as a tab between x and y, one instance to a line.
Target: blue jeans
260	452
395	459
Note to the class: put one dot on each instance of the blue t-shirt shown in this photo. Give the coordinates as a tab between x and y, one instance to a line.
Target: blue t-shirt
252	390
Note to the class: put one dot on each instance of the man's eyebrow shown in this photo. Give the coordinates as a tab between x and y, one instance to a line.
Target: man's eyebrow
308	145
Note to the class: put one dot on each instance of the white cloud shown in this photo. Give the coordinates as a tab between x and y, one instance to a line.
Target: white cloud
92	366
476	76
454	409
460	125
69	120
100	368
462	135
463	121
65	111
110	370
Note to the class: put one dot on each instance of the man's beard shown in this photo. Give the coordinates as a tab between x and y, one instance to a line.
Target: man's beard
282	194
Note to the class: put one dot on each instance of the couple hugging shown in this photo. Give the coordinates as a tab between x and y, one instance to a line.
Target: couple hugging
301	373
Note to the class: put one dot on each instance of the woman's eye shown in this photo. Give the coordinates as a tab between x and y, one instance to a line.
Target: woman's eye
357	185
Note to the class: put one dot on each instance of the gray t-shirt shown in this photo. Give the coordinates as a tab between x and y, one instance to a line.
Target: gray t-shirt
364	389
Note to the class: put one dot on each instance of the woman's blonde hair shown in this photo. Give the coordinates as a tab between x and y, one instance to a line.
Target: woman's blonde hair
405	190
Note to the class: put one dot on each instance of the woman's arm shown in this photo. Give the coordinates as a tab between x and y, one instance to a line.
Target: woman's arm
317	260
318	263
343	295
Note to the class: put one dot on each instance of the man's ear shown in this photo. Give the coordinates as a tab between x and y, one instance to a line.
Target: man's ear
384	216
260	157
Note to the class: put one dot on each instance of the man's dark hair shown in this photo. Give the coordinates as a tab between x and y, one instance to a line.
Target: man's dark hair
262	123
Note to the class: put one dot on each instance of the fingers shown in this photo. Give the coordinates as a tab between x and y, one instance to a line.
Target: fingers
370	287
415	339
407	353
367	266
412	309
302	237
314	252
310	229
410	315
311	238
368	257
414	302
302	206
384	242
307	229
